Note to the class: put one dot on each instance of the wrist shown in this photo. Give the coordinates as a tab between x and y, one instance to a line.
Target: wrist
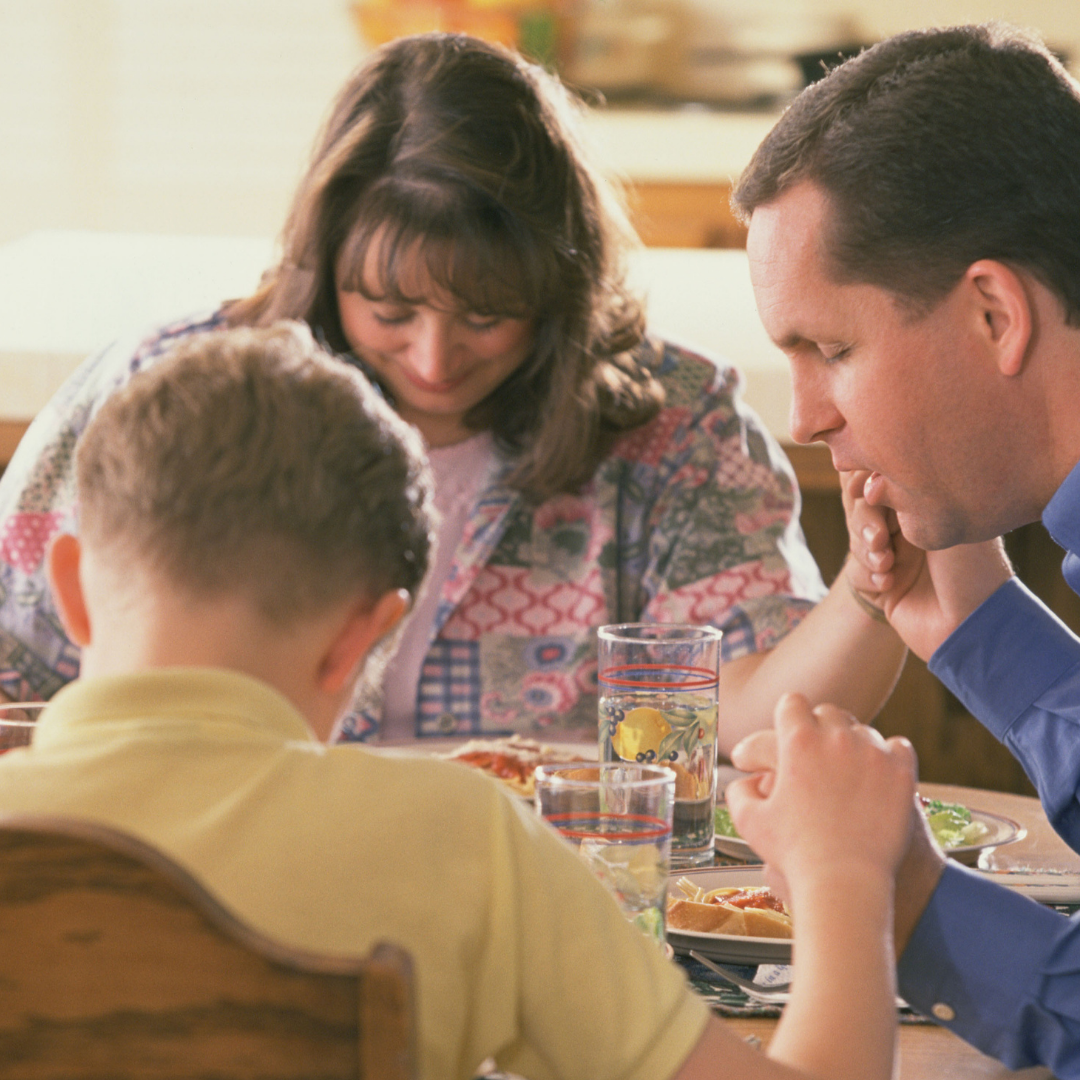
859	889
868	608
866	876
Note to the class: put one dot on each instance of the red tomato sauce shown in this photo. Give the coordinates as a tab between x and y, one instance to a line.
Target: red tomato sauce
749	898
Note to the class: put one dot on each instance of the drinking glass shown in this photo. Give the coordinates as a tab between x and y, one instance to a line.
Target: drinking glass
17	721
618	816
658	706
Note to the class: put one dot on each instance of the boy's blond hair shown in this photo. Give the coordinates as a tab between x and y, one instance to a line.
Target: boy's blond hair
251	460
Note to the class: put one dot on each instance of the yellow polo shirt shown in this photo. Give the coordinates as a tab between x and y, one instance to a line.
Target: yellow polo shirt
519	953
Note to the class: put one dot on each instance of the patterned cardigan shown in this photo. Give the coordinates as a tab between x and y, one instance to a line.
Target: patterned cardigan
691	518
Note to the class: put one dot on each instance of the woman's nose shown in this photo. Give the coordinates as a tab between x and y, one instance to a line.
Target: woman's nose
433	347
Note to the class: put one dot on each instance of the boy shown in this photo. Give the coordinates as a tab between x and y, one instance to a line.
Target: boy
253	521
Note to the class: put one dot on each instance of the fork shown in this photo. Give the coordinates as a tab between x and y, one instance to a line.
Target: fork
773	994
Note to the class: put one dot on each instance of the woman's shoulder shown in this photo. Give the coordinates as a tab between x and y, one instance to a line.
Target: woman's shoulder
155	342
690	376
113	365
703	416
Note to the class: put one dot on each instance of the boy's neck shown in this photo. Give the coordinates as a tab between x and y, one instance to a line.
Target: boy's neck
164	629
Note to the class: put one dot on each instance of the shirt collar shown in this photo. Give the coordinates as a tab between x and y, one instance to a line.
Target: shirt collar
177	696
1062	514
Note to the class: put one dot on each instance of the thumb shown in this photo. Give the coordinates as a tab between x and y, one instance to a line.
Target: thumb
755	752
792	711
744	795
903	749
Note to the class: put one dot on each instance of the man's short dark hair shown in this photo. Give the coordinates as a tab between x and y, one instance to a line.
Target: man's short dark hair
937	148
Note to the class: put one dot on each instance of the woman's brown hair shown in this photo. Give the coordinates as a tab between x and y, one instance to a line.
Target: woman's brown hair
466	153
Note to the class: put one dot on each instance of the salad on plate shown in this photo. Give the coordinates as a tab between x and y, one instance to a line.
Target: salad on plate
951	824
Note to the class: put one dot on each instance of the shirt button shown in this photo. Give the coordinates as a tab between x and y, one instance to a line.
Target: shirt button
447	723
943	1012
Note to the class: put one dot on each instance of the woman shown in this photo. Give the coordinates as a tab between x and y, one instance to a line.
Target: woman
451	238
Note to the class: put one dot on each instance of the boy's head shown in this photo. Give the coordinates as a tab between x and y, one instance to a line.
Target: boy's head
251	461
248	493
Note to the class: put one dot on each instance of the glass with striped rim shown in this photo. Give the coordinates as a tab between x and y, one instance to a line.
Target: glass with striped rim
618	816
17	722
658	706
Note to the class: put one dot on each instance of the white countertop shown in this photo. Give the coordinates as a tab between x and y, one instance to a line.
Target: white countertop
64	295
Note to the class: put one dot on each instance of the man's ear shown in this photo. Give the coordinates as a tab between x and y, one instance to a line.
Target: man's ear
364	625
1005	311
62	565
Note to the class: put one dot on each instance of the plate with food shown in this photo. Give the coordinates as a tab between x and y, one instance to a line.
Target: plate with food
964	833
513	759
728	913
961	832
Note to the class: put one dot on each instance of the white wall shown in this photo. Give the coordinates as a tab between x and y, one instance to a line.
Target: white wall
196	116
187	116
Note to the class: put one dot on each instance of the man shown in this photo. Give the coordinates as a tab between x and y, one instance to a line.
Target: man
914	245
253	521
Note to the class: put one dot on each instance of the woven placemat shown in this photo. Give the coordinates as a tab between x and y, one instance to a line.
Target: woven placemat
728	1000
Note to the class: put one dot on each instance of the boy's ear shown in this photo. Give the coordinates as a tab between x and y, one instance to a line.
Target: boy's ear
62	565
364	625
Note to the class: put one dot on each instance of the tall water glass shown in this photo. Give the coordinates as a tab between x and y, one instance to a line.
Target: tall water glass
658	705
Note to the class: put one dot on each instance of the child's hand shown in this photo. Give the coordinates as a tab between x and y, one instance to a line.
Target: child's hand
834	793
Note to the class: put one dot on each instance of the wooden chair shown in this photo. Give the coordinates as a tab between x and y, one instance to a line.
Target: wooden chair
116	963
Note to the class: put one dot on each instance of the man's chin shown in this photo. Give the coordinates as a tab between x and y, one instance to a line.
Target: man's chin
926	533
941	533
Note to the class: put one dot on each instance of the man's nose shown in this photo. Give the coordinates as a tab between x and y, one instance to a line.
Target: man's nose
813	414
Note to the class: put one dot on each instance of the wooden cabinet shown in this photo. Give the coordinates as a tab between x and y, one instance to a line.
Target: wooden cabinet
11	431
696	215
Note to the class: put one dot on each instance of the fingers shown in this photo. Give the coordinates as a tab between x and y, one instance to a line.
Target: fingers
740	793
902	749
759	752
870	534
852	484
793	711
827	713
755	752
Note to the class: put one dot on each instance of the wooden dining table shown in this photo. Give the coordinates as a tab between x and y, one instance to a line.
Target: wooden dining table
929	1052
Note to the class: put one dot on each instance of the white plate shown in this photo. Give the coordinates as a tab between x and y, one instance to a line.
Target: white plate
730	948
1003	830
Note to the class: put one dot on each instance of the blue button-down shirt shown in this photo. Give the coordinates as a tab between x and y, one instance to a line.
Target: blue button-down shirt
1007	968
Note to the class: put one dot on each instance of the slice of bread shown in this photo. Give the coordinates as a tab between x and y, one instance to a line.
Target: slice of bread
721	918
705	918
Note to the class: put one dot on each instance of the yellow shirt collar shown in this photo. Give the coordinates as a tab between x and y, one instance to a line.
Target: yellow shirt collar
169	696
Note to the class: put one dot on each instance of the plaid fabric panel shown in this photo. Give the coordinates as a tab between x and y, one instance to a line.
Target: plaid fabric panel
448	697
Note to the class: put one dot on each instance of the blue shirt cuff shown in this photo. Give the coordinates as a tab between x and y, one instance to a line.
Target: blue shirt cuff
976	960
